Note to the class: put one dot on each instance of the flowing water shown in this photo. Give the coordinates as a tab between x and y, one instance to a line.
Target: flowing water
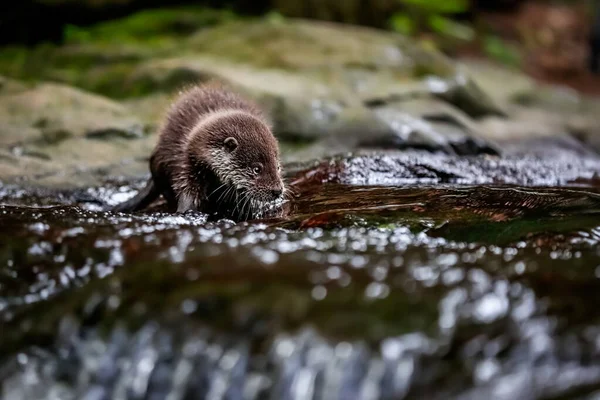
359	290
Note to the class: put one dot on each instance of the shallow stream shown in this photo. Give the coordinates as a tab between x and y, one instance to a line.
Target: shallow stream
360	291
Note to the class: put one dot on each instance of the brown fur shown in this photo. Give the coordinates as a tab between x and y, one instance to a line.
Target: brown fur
194	167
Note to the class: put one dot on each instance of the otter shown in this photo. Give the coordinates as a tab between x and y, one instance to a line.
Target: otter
216	154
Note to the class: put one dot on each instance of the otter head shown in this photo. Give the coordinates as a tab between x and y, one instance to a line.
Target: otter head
243	153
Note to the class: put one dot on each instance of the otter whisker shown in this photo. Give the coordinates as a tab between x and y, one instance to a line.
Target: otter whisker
250	212
237	203
289	190
287	194
224	195
245	199
221	195
244	204
213	192
251	207
229	195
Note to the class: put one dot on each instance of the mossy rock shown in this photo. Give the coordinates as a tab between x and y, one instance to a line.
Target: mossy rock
50	128
318	81
365	61
154	26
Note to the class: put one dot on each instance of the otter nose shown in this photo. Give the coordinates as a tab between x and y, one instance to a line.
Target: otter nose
276	193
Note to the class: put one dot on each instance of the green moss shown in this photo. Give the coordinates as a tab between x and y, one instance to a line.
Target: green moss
100	58
110	80
505	233
502	51
150	26
251	46
22	63
111	58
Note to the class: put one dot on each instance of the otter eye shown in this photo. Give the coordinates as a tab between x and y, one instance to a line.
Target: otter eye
256	169
230	144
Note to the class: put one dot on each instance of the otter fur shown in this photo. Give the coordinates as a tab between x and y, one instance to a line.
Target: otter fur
216	154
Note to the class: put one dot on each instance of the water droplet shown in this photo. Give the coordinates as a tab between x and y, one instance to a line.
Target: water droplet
377	290
486	370
189	306
490	307
319	292
22	358
334	273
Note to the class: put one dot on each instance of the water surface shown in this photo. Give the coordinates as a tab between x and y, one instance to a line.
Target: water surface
359	292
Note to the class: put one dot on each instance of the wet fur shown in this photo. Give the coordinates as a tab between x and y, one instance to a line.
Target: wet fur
189	166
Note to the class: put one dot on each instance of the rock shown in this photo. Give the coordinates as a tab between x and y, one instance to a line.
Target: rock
329	87
51	129
8	86
51	113
429	124
534	110
316	79
563	166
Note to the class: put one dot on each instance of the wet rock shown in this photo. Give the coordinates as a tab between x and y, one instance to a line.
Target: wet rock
430	125
418	168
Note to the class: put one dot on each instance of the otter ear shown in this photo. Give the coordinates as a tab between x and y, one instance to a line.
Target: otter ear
230	144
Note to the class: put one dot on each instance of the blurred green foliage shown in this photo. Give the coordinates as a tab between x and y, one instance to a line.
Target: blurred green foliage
439	6
432	15
95	57
499	50
402	23
148	26
436	16
446	26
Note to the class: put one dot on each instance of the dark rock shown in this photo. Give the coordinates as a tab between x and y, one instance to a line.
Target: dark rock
412	168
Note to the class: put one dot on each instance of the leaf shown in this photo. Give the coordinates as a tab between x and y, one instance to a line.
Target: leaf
402	23
275	17
448	27
496	48
439	6
75	34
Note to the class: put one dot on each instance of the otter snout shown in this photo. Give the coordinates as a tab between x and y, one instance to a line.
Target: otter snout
276	193
272	193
